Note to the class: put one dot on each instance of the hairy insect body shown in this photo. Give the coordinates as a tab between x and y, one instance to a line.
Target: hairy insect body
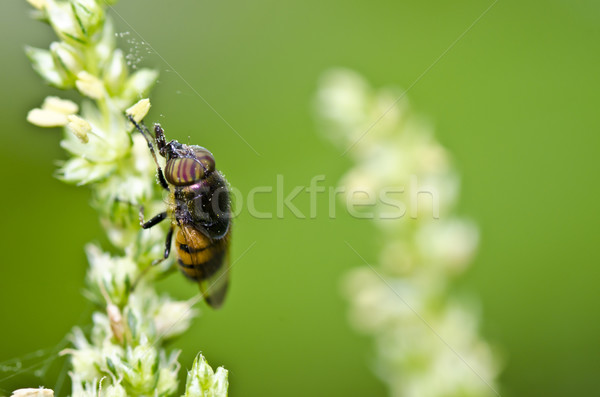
200	216
200	212
201	259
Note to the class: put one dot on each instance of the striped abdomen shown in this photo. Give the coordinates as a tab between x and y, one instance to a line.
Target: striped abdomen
205	261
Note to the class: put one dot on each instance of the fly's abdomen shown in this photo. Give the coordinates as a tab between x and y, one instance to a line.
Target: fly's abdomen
199	257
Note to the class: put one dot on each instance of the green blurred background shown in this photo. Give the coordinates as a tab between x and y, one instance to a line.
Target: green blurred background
515	101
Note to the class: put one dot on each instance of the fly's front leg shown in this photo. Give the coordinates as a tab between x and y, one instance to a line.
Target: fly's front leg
152	222
161	141
149	139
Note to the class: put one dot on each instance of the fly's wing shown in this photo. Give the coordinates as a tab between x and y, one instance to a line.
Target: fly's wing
214	288
206	260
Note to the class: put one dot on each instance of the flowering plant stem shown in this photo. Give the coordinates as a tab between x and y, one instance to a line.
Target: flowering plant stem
123	354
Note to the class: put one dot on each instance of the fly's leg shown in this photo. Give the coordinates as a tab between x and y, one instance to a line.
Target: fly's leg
149	139
168	242
152	222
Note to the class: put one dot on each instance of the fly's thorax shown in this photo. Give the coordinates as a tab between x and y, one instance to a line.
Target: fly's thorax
205	204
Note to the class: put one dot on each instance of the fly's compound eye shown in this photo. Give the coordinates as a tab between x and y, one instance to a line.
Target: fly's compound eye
205	157
184	171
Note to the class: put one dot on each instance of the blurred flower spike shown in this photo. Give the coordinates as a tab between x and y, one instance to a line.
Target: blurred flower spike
427	342
123	355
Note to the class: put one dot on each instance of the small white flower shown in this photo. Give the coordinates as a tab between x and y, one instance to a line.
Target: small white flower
167	375
82	387
44	64
39	4
89	85
116	73
138	367
89	15
451	243
40	392
139	110
202	381
173	318
84	357
79	170
220	382
114	391
67	57
105	48
138	85
79	127
63	21
116	321
167	382
46	118
113	273
343	97
54	112
60	105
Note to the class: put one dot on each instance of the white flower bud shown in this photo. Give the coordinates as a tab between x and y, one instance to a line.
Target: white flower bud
139	368
79	127
110	272
39	4
89	85
83	387
114	391
84	356
343	97
46	118
202	381
43	63
89	15
57	104
451	243
139	83
139	110
167	382
173	318
116	321
54	112
64	21
106	46
40	392
221	382
115	73
67	57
